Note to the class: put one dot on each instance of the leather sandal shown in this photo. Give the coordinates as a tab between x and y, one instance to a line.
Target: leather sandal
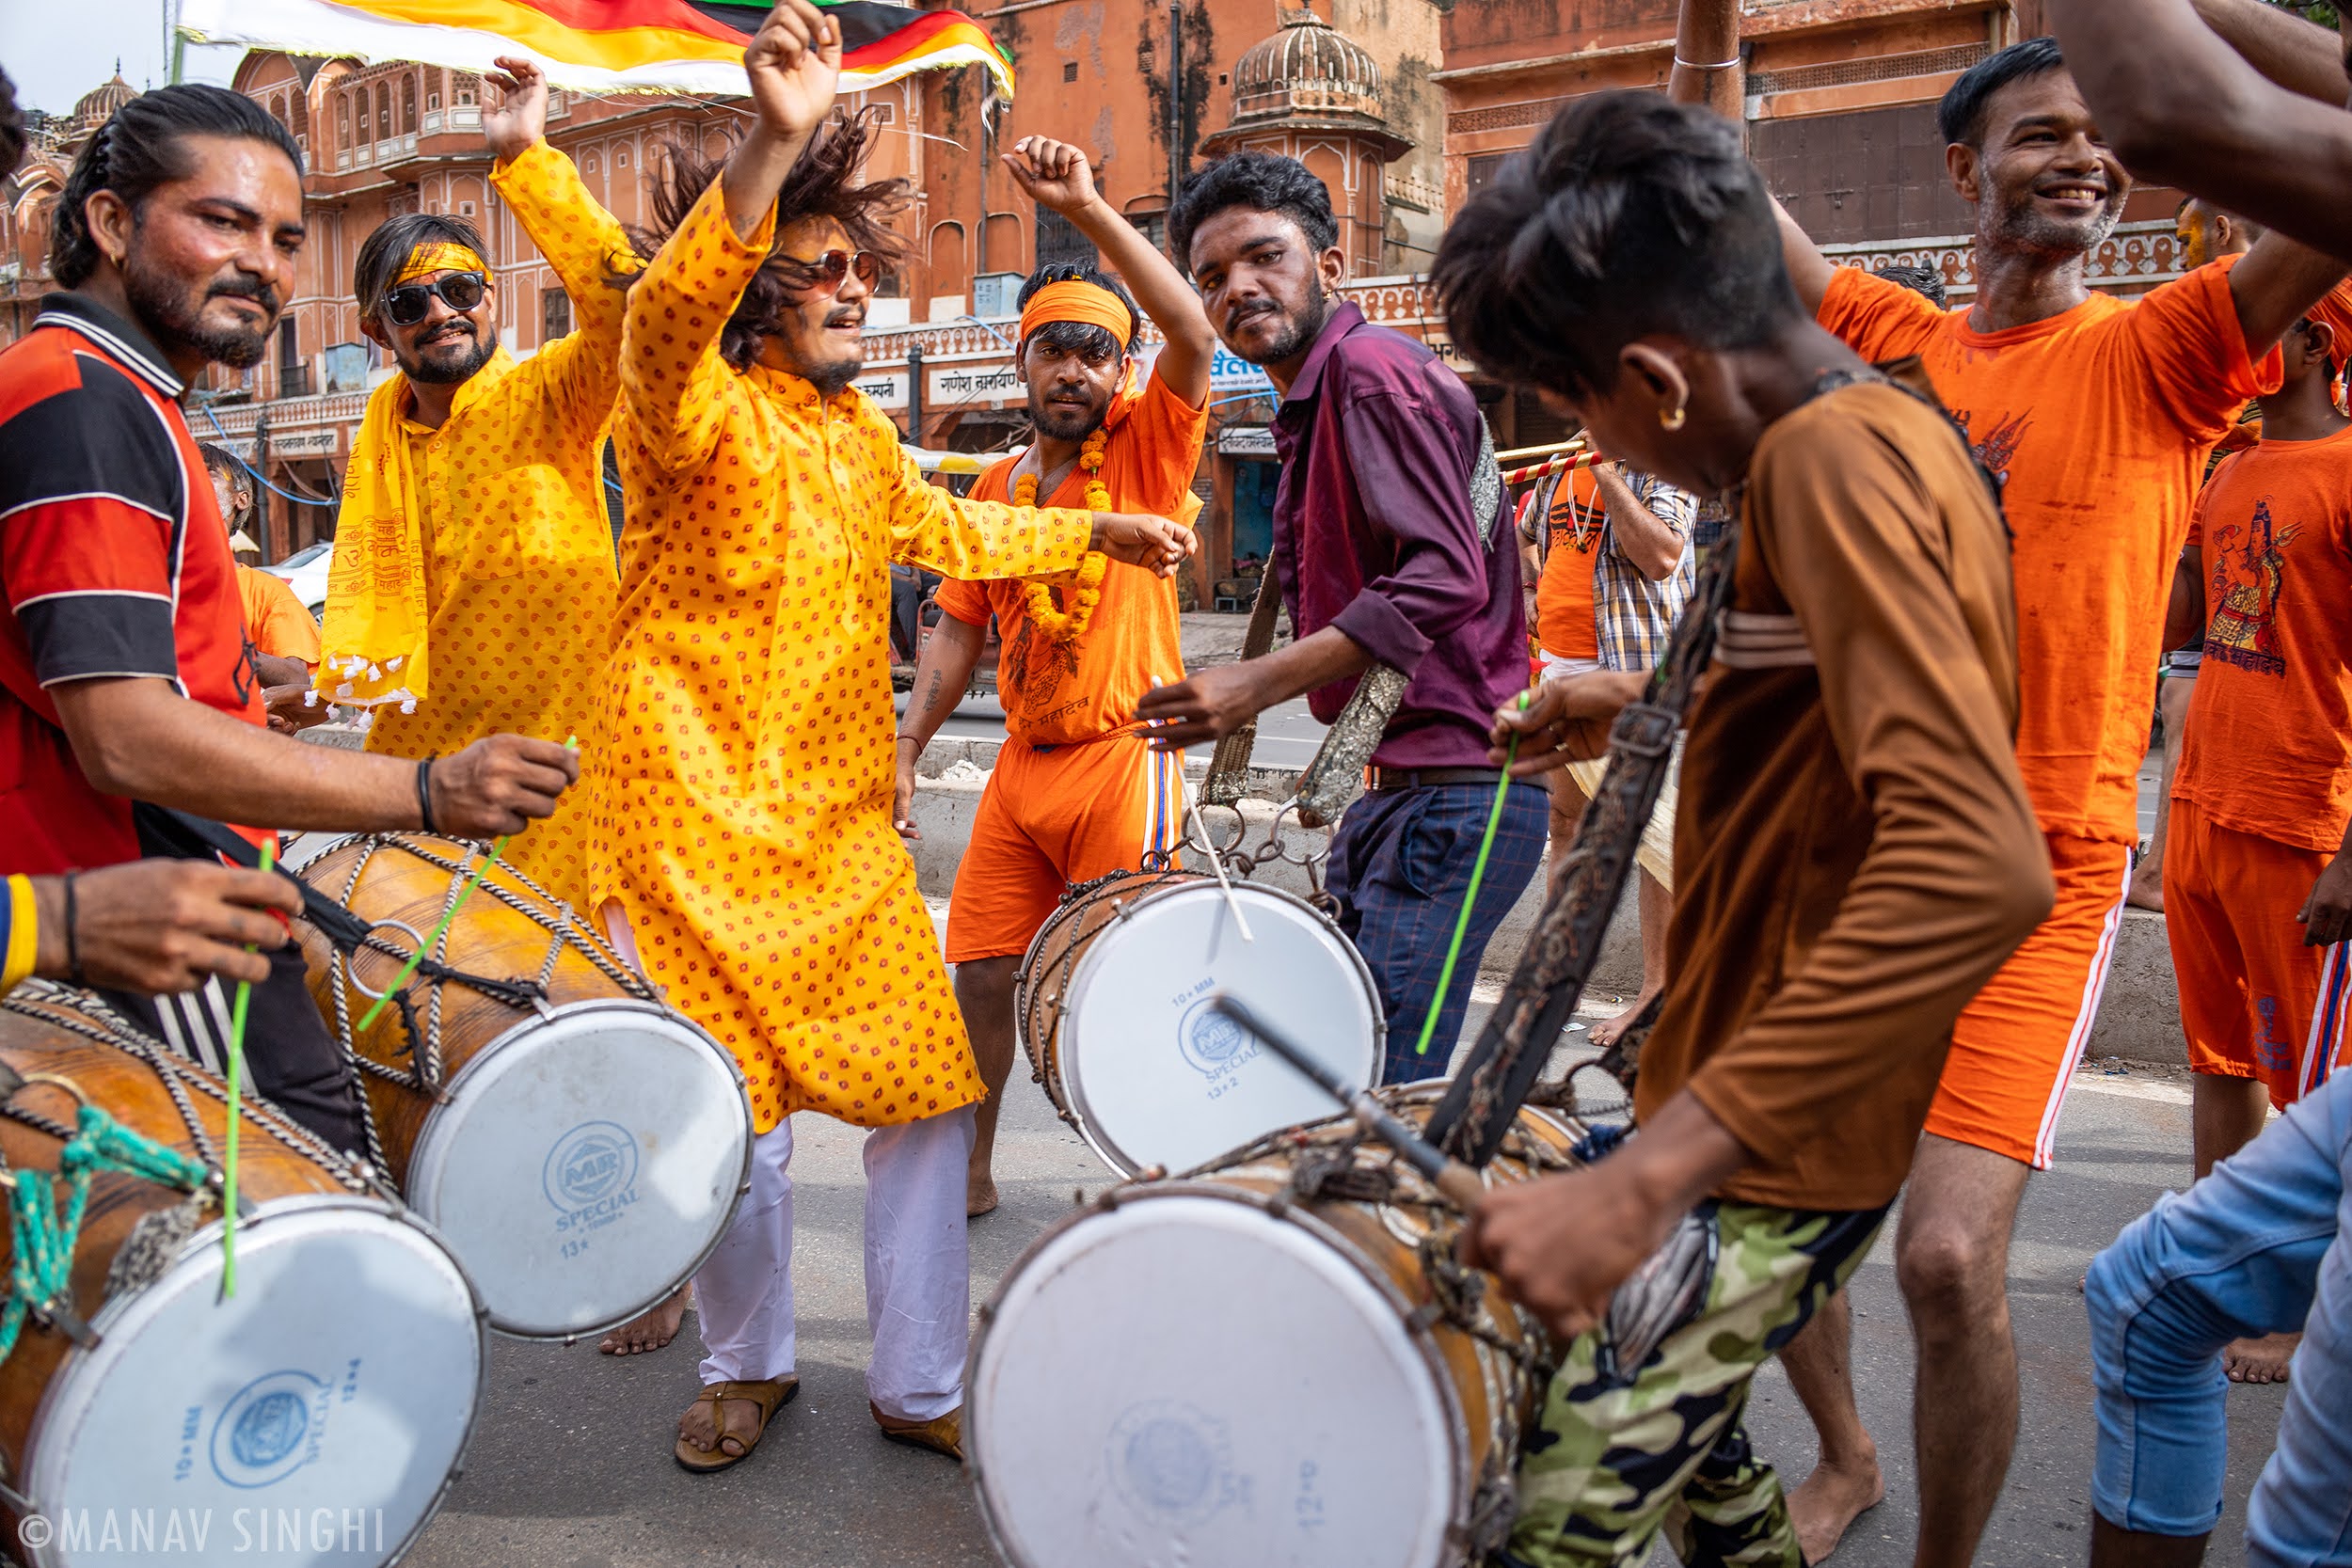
941	1433
767	1396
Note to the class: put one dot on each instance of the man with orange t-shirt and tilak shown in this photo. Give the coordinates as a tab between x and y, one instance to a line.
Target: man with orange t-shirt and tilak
1075	794
2258	879
2097	415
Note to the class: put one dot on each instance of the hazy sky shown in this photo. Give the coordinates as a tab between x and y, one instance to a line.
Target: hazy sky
57	50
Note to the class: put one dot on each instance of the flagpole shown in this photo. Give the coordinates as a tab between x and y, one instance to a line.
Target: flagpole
175	47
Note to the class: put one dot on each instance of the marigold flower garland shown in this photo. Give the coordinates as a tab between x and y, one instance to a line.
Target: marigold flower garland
1085	585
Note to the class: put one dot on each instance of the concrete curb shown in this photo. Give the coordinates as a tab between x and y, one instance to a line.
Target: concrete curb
2140	1013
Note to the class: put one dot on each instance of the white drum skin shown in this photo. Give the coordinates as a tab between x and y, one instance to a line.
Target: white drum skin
1151	1076
317	1416
1103	1433
584	1166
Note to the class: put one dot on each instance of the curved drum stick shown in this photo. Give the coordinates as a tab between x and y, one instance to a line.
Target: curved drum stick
1459	1183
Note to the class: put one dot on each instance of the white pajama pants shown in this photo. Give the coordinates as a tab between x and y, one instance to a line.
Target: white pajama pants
919	1272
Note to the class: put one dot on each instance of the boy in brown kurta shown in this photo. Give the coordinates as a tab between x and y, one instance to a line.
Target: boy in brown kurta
1855	850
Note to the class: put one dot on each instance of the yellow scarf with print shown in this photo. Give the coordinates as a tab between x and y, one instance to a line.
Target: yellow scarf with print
372	644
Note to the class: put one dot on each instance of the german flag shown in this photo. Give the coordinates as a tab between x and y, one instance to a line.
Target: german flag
694	46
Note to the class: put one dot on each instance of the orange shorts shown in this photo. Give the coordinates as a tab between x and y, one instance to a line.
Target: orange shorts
2255	1003
2017	1042
1052	816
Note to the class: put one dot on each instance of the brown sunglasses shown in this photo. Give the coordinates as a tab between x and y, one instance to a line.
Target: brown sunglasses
824	275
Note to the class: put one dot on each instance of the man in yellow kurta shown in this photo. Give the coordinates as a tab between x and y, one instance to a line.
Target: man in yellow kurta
754	861
473	586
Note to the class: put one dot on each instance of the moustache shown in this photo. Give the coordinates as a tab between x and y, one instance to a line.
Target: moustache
846	316
1235	317
237	288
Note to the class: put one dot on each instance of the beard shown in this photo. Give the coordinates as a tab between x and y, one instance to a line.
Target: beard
2024	226
173	312
1298	330
447	362
831	377
1060	422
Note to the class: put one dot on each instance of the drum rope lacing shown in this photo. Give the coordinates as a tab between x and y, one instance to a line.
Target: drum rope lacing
43	1239
1328	1165
424	1043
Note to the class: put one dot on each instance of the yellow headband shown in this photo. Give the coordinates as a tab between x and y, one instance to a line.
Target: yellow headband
1072	300
441	256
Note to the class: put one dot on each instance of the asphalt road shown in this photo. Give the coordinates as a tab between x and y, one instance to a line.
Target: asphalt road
571	1467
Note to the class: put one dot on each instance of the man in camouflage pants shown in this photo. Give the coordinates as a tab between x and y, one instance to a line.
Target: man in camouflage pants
1854	853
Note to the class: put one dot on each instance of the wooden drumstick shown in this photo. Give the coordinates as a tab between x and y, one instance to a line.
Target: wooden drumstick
1459	1183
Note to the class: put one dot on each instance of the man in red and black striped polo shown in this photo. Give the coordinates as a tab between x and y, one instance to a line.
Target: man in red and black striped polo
127	690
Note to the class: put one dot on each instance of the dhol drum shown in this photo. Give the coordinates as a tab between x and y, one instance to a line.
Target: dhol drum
317	1416
579	1145
1113	1005
1277	1362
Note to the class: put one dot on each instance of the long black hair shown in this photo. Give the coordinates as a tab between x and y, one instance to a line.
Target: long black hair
142	146
823	183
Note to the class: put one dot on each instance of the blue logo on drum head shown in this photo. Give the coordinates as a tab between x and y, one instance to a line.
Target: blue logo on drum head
1210	1040
589	1165
1171	1461
261	1435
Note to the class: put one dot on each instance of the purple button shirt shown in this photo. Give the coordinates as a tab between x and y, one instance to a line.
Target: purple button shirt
1374	533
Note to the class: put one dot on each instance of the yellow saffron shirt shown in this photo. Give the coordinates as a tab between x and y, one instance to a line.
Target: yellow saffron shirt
752	764
520	579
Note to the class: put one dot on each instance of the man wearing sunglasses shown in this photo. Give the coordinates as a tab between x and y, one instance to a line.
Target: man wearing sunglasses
754	868
1076	794
473	585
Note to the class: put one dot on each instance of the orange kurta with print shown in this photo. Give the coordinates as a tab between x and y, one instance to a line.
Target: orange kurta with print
750	839
1059	693
2098	420
517	546
2267	748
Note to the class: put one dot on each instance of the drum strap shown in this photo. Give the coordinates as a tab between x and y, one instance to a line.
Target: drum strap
1512	1049
1481	1103
1336	775
197	835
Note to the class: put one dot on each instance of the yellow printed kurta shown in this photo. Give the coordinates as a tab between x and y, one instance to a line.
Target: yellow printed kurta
518	563
752	719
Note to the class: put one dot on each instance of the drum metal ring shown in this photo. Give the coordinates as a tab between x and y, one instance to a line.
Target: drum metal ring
351	966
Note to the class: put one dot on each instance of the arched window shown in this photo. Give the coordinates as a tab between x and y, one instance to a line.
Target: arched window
407	105
342	119
278	109
383	111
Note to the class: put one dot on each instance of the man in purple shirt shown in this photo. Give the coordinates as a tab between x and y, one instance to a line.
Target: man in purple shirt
1392	547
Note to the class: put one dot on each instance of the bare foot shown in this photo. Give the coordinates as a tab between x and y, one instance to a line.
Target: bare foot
979	1194
1605	1035
1829	1501
2262	1360
649	1332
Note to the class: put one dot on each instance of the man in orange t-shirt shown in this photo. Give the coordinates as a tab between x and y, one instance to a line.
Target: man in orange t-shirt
2097	415
1076	793
284	636
2260	874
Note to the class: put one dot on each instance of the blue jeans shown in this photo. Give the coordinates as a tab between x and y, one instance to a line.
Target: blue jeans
1400	866
2257	1247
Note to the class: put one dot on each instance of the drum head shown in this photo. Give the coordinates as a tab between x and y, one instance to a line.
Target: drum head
1156	1077
339	1382
1189	1381
585	1164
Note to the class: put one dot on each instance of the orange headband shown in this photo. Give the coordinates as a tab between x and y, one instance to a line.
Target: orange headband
1073	301
441	255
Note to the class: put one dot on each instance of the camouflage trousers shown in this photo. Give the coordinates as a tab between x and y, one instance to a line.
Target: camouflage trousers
1612	1461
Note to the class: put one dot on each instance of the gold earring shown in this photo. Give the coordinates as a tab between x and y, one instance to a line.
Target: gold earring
1673	418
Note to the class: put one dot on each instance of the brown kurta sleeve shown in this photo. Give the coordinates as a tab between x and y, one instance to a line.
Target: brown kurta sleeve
1853	508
